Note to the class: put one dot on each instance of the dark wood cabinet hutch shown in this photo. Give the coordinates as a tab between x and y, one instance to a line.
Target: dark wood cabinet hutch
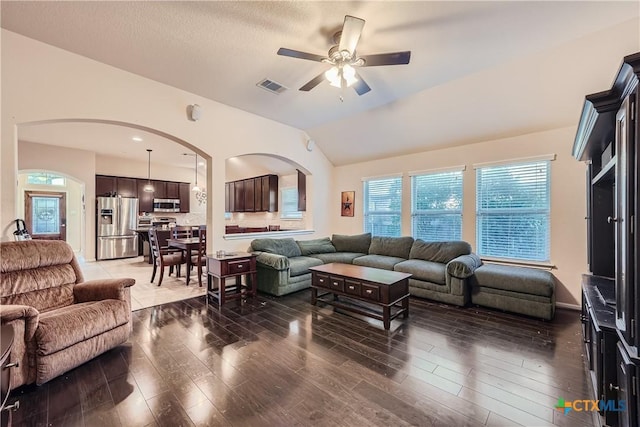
607	139
258	194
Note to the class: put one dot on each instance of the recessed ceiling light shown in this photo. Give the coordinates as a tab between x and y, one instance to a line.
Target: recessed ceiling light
137	139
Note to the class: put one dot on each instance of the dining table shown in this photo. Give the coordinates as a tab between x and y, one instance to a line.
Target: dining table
188	244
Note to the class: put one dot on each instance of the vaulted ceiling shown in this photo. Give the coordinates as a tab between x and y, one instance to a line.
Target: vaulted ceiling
478	70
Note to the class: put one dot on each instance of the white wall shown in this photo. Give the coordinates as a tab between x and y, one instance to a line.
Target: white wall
568	194
41	82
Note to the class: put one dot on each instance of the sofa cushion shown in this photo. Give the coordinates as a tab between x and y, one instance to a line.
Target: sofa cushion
522	280
423	270
286	247
378	261
316	246
339	257
356	243
64	327
300	265
439	251
391	246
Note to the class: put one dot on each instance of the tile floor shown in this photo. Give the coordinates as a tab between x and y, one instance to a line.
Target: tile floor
144	293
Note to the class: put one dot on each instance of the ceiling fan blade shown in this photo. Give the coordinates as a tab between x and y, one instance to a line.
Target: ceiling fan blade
313	83
351	30
300	55
395	58
361	87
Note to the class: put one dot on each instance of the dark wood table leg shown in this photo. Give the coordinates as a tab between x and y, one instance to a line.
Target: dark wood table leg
314	296
253	290
386	315
405	306
188	255
221	286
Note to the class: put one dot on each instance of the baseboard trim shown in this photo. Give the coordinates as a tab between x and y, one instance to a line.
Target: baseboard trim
574	307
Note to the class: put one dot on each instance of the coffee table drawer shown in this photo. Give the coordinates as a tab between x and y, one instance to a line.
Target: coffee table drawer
336	283
321	280
352	287
371	292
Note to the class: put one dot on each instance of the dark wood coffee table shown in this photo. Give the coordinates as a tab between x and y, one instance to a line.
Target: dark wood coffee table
382	288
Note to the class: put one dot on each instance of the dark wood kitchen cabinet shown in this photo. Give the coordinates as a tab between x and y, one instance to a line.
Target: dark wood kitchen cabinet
249	191
607	139
258	194
270	193
105	186
172	190
302	191
159	189
184	193
127	187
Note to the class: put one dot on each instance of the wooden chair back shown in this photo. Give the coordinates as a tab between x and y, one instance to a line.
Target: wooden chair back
181	232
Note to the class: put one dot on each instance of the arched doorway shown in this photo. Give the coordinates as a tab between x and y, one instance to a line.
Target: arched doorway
82	149
52	205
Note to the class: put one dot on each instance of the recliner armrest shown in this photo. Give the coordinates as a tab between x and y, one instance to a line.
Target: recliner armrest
31	316
463	266
98	290
277	262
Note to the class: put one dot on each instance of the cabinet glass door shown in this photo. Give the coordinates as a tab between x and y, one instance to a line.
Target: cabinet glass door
623	200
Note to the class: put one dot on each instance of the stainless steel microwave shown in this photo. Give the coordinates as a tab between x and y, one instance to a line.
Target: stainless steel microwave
166	205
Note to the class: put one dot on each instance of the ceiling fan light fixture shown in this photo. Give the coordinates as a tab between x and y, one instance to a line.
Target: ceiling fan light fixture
339	74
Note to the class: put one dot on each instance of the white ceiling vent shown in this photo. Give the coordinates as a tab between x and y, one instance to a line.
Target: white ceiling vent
271	86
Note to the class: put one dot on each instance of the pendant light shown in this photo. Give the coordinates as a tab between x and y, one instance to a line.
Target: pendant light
195	188
148	188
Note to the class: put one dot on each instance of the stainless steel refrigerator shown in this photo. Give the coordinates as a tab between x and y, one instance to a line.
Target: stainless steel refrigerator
116	219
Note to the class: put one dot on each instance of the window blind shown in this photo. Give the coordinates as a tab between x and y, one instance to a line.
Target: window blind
513	211
290	204
436	206
383	206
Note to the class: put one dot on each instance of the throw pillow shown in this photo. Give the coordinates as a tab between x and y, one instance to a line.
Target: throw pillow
358	243
316	246
391	246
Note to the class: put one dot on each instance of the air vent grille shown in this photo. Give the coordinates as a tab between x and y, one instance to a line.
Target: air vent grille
271	86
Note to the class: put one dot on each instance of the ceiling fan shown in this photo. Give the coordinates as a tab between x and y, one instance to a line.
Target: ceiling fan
343	59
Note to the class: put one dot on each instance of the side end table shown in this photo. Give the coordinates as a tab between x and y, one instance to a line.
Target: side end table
231	276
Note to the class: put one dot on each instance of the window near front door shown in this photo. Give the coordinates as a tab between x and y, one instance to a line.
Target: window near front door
44	178
45	214
513	211
383	206
436	206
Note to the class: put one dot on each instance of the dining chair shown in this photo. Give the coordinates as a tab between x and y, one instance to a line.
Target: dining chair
200	258
163	257
181	232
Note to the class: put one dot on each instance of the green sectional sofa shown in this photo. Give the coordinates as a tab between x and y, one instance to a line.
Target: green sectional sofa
442	271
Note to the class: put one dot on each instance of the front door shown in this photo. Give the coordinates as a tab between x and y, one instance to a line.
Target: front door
45	214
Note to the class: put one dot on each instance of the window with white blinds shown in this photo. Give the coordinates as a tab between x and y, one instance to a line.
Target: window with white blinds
436	206
383	206
289	210
513	211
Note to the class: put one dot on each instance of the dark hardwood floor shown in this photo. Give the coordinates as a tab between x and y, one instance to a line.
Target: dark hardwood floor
283	362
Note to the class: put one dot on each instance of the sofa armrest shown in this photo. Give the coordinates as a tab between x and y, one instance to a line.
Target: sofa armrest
97	290
31	316
463	266
277	262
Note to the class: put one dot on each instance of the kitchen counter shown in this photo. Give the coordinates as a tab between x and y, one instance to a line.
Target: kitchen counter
261	234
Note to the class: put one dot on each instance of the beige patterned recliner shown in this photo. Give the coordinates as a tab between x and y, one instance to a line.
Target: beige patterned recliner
59	320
